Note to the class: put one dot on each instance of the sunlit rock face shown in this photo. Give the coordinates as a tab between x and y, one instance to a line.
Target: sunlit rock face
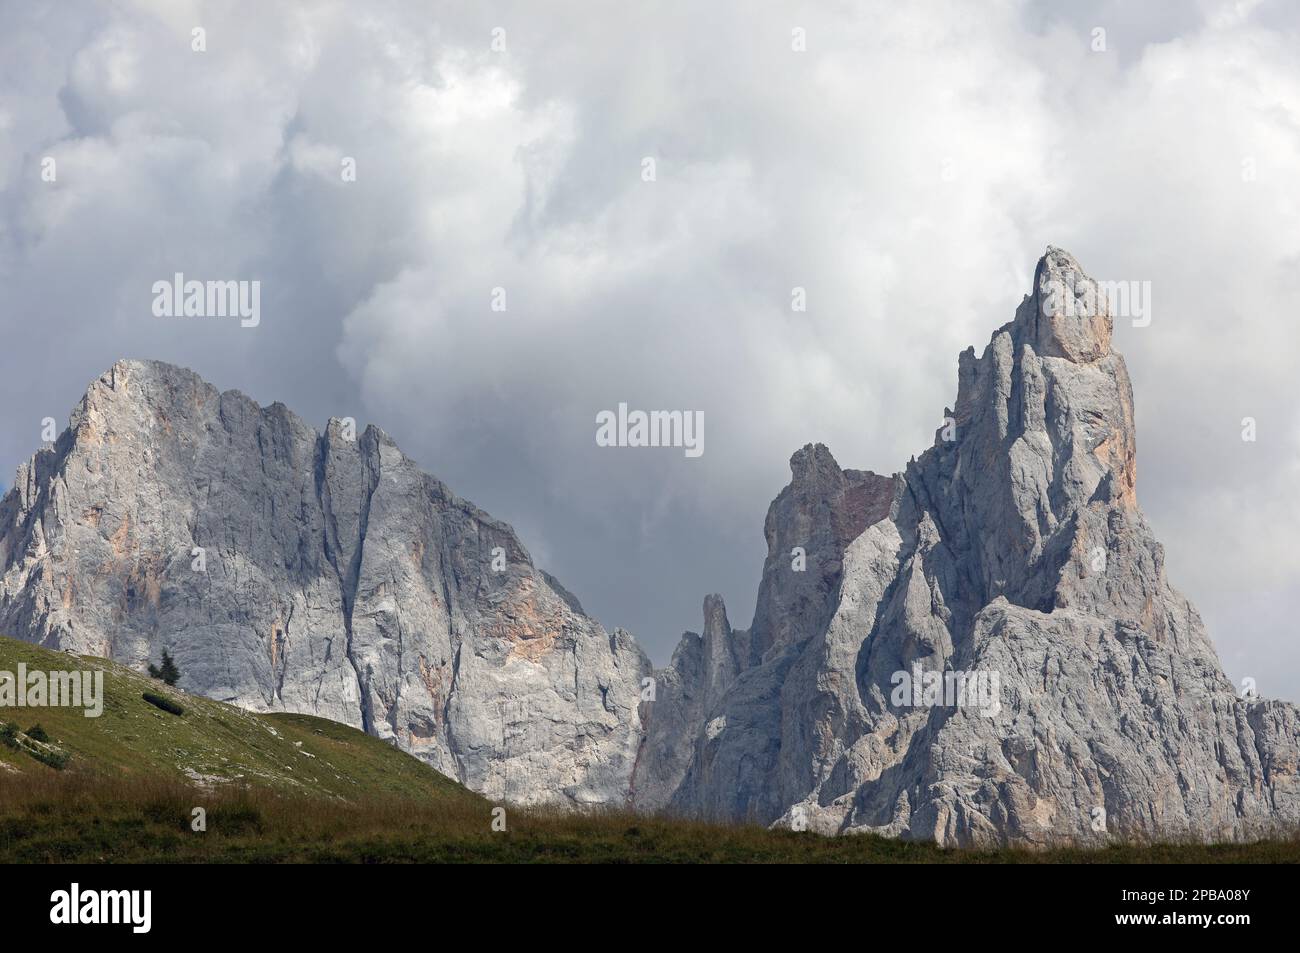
286	569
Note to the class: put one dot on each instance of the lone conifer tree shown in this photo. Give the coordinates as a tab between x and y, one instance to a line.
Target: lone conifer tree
168	672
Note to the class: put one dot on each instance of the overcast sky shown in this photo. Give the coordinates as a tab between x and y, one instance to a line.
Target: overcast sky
907	168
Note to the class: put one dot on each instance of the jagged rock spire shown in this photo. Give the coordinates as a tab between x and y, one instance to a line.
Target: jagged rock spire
1010	558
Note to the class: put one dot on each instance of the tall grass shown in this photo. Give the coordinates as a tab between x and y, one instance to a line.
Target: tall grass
84	817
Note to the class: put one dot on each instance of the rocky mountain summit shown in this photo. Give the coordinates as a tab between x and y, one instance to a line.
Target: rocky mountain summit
982	648
322	573
1011	557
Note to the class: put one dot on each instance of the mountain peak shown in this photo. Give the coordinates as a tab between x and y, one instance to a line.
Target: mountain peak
1068	315
1011	554
282	573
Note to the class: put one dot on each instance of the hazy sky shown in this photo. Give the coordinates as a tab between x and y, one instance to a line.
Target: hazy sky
907	168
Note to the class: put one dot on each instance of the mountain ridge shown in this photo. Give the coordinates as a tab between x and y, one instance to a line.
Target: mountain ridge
343	581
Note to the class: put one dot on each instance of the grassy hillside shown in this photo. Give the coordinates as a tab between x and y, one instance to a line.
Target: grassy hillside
212	744
292	788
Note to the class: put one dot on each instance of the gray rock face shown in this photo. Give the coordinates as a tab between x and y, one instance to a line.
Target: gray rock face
981	649
336	579
1082	698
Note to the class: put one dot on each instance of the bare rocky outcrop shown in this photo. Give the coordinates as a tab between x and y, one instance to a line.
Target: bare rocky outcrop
334	578
1014	551
1079	697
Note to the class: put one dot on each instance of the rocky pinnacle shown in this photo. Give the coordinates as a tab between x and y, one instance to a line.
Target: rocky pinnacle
1012	555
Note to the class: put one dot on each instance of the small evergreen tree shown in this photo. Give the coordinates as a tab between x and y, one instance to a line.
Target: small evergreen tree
168	672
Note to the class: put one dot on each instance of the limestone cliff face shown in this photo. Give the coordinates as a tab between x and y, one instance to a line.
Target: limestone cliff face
335	579
1014	551
1010	561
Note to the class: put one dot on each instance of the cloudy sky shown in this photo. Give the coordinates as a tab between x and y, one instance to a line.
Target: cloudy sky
906	168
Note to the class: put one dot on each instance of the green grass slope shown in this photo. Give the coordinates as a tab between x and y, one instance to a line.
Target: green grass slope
212	744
